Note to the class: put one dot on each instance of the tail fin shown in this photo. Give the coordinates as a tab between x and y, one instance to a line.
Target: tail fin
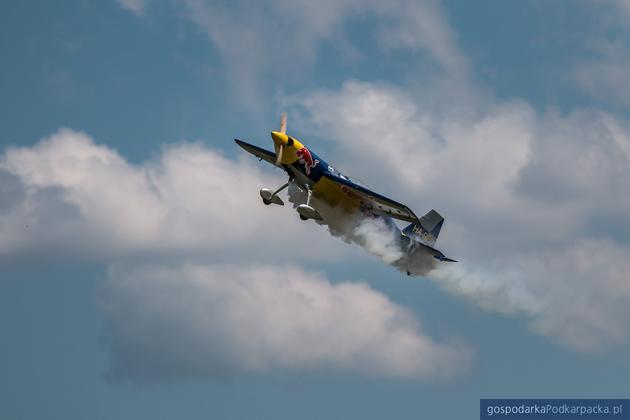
428	230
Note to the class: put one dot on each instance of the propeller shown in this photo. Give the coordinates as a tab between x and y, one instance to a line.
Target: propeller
279	157
283	130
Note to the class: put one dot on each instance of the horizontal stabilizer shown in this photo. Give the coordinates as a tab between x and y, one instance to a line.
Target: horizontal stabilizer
444	258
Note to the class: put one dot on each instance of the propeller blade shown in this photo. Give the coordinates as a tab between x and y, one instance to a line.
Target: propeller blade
279	158
283	123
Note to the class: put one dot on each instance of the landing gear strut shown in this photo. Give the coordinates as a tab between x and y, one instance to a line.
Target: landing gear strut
305	210
269	197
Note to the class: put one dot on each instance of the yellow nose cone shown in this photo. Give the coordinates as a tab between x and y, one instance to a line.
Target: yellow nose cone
279	138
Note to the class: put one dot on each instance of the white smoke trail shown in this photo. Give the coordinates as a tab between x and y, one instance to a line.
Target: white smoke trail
512	288
374	234
378	239
506	293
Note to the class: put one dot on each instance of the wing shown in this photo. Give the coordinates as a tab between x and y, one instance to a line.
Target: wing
259	152
377	203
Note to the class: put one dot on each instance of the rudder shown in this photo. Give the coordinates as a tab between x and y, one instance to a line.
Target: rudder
428	230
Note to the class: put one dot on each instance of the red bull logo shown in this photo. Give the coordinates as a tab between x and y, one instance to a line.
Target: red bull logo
306	158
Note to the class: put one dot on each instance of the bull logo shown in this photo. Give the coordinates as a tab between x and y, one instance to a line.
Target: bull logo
306	158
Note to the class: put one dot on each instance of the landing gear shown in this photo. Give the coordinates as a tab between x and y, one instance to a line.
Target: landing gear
269	197
305	210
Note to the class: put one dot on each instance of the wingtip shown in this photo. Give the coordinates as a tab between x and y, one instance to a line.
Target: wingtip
240	142
444	258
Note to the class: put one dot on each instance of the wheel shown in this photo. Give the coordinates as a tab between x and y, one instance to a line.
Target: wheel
303	217
267	202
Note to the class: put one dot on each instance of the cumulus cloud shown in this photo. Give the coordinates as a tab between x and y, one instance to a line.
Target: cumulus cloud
535	202
71	197
194	320
190	200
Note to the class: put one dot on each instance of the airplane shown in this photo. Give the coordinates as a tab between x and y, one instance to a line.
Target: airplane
317	178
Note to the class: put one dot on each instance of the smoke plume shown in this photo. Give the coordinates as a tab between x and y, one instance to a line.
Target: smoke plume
377	236
550	291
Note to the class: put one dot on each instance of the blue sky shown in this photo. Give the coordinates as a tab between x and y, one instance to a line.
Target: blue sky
141	277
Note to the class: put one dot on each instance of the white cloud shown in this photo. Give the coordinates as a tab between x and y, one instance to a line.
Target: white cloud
191	200
536	203
382	125
70	197
200	321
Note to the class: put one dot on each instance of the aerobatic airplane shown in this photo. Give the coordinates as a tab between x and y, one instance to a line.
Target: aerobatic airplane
317	178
